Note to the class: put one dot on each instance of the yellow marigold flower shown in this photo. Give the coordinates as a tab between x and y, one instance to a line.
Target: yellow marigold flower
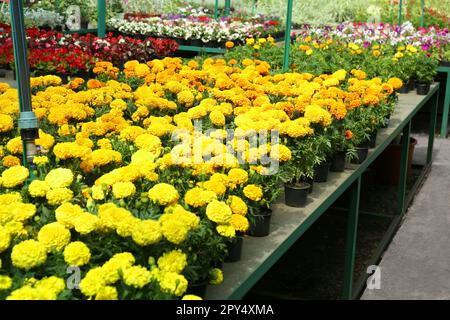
217	118
237	205
136	276
14	176
229	44
5	282
226	230
54	236
218	211
173	283
107	293
93	282
191	297
38	188
396	83
186	97
14	145
123	189
190	220
102	157
239	222
59	178
5	239
28	254
253	192
141	70
8	198
86	223
67	213
173	261
45	140
237	176
59	195
174	230
215	276
216	187
97	193
68	150
125	227
10	161
280	152
148	142
40	160
104	144
77	254
6	123
316	114
146	232
163	194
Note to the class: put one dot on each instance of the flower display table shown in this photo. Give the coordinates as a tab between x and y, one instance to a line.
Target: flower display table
289	224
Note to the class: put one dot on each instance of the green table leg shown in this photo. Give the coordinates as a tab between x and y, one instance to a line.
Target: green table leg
401	192
433	121
350	247
446	107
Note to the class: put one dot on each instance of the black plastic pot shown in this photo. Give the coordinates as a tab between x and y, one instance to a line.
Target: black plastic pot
338	162
404	88
198	289
296	194
196	43
386	122
2	73
234	250
260	224
423	89
411	84
361	155
444	63
321	172
310	181
373	139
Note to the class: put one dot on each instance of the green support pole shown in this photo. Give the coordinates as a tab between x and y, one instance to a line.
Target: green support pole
400	12
101	24
401	195
287	36
216	9
227	7
422	12
28	123
350	245
432	127
446	105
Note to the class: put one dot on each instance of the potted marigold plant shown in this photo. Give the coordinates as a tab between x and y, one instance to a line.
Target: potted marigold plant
425	70
299	171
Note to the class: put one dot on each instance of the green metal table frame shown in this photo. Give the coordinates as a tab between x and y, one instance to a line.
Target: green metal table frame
444	124
289	224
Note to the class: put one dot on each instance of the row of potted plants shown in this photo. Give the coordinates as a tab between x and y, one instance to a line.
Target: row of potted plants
145	176
327	53
200	30
75	55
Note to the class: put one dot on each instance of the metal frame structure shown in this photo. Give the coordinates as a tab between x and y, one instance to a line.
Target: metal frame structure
445	113
289	224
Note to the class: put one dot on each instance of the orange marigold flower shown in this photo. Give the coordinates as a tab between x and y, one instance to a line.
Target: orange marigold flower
229	44
94	84
348	134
